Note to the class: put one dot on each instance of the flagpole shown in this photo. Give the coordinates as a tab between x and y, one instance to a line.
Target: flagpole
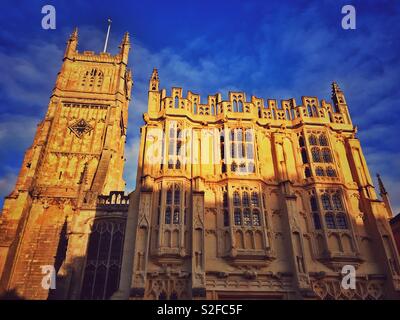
108	34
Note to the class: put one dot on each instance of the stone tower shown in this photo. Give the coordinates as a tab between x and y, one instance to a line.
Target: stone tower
254	199
76	158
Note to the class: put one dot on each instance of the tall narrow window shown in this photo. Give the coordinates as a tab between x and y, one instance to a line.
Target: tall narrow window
326	202
173	205
104	257
176	102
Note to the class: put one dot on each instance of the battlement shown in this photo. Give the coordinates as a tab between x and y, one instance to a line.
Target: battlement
237	105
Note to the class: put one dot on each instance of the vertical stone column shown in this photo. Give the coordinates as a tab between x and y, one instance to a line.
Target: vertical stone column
198	255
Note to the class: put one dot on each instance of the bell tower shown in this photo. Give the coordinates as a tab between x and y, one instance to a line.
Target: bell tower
77	154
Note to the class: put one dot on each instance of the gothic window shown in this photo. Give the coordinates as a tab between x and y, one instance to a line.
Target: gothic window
176	216
245	198
104	257
240	106
337	202
172	208
236	199
316	155
330	221
326	155
195	108
326	202
242	150
315	112
273	114
176	102
313	140
238	217
169	196
254	199
256	217
246	217
168	215
309	111
323	141
341	222
175	146
92	79
319	171
246	211
330	116
330	172
336	217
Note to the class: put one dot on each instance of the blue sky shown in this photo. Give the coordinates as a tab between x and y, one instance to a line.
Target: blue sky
272	49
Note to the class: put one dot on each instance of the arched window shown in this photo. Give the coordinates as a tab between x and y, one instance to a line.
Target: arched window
254	199
313	140
245	199
314	108
256	217
226	218
177	195
330	172
326	155
330	116
222	145
317	221
240	108
316	155
235	106
337	202
195	108
330	221
104	257
246	217
212	109
309	111
237	217
169	196
326	202
319	172
168	215
341	222
236	199
174	296
273	114
304	155
176	102
162	296
323	141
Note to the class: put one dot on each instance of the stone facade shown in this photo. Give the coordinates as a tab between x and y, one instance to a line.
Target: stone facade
76	157
242	198
235	199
